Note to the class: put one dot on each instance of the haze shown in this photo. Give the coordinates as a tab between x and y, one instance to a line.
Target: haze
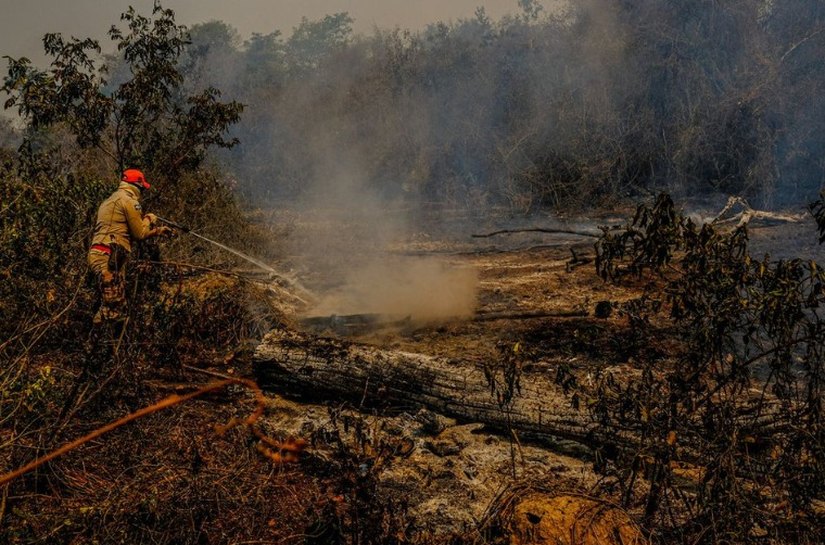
26	21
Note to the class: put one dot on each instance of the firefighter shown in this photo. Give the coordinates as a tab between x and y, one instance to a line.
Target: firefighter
120	221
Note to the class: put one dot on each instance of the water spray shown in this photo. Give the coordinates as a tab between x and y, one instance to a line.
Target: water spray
292	281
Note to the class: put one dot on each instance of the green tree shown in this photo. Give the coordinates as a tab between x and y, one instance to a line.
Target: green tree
264	60
530	9
313	41
9	136
80	130
144	121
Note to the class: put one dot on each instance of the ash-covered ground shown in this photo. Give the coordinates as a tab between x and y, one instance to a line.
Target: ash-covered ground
452	472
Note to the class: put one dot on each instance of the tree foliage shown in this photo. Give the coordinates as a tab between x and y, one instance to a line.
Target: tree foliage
81	129
143	121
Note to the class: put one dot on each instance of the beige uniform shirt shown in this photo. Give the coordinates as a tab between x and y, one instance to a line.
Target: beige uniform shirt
120	219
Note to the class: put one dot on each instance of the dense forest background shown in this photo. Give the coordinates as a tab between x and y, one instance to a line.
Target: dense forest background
605	100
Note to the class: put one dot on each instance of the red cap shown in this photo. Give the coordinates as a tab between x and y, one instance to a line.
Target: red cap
134	176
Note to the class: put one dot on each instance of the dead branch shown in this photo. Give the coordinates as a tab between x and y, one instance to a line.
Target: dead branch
208	372
491	316
577	260
538	230
749	214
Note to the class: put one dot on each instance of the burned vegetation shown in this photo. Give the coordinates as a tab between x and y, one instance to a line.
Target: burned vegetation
457	329
742	390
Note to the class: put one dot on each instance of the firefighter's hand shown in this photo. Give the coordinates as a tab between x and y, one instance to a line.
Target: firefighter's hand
165	231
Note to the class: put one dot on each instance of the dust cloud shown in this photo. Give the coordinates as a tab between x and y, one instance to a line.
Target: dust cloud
423	289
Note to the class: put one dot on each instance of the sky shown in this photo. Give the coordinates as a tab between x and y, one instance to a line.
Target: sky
24	22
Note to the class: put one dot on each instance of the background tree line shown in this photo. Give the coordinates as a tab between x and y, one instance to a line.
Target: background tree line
606	100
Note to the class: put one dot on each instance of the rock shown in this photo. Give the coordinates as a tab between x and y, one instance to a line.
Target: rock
603	309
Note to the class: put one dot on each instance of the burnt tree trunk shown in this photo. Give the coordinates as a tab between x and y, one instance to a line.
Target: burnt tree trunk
293	363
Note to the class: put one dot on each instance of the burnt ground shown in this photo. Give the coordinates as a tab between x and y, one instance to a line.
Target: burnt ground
453	476
456	472
170	478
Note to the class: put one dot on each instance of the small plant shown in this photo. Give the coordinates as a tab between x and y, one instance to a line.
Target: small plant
817	209
504	379
647	242
365	515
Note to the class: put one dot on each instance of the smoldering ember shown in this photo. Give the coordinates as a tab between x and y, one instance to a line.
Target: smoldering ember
545	272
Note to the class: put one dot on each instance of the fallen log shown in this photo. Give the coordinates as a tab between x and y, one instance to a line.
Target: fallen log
352	324
357	324
317	368
297	364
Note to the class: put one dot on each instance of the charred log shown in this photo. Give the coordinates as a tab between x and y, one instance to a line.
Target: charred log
322	369
492	316
358	324
297	364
